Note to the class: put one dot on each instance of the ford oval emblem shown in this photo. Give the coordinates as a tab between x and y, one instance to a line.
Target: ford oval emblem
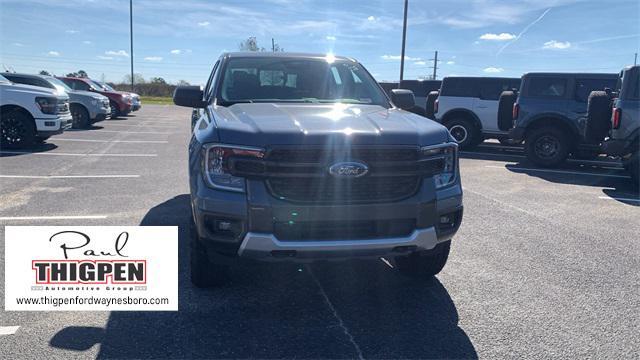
348	169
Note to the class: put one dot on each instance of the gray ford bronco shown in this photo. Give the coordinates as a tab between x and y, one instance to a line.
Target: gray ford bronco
614	115
299	157
549	113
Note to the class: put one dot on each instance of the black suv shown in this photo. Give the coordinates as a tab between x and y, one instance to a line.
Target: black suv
550	115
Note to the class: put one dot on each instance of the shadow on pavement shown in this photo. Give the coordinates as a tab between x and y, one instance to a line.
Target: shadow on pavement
44	147
323	310
603	173
88	128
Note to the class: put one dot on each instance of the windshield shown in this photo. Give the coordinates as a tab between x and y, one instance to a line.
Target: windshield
96	85
4	79
298	80
106	86
59	84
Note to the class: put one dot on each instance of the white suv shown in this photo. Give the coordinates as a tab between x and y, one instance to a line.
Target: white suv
30	114
468	107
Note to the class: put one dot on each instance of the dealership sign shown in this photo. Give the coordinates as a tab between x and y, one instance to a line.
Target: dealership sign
91	268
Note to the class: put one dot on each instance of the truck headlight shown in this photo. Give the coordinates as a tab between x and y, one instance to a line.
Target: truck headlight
47	105
449	154
215	167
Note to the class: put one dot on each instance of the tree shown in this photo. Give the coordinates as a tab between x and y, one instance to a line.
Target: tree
251	44
158	80
80	73
44	72
182	83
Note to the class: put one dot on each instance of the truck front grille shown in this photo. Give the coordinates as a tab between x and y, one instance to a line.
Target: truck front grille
329	190
301	175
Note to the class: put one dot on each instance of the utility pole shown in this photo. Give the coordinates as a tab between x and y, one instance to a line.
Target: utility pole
131	38
273	45
404	41
435	66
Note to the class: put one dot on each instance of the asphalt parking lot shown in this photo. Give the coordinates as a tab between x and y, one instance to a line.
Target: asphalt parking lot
545	264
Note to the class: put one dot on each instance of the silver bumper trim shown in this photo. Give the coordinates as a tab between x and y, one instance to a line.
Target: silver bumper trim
257	245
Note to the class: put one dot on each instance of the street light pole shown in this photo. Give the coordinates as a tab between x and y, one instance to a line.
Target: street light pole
404	40
131	38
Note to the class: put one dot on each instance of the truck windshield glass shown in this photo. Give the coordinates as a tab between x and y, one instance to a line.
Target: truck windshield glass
4	79
59	84
106	86
97	86
298	81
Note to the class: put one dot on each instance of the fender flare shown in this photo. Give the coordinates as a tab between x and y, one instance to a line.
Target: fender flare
468	113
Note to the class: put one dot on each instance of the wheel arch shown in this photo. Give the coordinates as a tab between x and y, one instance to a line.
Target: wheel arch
556	121
14	107
464	113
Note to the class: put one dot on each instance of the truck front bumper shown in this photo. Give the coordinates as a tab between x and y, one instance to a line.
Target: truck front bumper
417	223
46	127
268	247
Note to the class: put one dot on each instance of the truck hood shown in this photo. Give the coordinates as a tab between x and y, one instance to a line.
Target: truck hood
81	94
299	124
36	90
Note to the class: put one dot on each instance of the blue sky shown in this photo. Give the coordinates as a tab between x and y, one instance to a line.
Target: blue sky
182	39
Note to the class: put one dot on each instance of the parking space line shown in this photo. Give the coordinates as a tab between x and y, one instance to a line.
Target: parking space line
75	154
124	131
559	171
82	217
145	125
618	198
8	330
67	176
115	141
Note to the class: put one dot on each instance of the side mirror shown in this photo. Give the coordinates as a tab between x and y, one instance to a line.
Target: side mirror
189	96
403	98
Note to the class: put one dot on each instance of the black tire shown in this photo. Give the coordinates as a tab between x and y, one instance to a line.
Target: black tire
17	130
115	112
464	132
598	116
547	146
424	264
80	117
204	273
505	110
430	106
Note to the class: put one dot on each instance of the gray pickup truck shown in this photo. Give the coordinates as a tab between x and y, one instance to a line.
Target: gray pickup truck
300	157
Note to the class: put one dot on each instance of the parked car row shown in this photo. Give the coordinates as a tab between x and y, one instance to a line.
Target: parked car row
35	107
556	115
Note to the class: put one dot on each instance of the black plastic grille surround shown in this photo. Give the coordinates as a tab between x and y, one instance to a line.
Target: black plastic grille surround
301	175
